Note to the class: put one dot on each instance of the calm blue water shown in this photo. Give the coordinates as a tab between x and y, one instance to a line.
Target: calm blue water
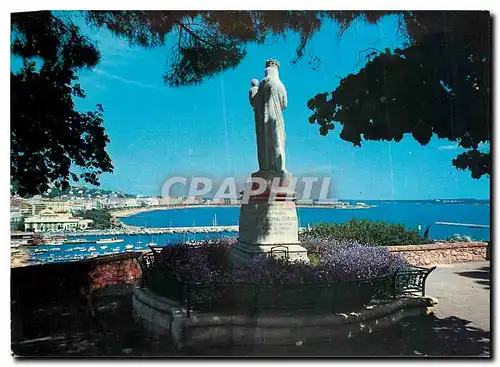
78	251
408	214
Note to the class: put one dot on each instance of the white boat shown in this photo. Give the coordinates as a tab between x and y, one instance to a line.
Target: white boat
152	244
103	247
116	249
79	240
110	240
129	246
92	249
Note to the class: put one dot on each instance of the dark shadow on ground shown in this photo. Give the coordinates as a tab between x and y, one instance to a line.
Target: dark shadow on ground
482	274
67	328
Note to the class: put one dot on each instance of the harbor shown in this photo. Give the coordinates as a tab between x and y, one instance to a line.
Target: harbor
129	230
165	227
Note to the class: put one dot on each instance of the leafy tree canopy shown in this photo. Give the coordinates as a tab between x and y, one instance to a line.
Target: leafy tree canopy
101	217
439	85
47	134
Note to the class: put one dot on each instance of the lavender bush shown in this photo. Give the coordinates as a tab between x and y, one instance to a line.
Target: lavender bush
345	276
207	262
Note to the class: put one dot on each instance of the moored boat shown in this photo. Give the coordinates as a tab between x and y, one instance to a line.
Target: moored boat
110	240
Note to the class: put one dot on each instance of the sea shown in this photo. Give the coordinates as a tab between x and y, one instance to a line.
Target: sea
410	214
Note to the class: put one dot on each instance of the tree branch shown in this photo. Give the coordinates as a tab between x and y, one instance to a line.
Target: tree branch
194	35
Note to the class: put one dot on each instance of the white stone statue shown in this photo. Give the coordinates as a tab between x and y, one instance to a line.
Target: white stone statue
268	101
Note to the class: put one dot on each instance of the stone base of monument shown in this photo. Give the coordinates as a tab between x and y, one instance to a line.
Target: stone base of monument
268	228
162	316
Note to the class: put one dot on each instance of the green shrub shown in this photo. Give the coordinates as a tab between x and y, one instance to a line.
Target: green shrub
364	232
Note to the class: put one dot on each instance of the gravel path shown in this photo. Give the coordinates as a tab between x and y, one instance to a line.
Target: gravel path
463	290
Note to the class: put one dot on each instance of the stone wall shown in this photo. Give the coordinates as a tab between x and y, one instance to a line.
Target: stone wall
117	269
162	316
443	253
53	283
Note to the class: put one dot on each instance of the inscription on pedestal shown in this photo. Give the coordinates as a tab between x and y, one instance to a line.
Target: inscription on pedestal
265	223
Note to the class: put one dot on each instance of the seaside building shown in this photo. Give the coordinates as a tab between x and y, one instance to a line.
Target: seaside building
131	203
36	205
113	203
190	200
149	201
171	200
59	206
48	220
92	204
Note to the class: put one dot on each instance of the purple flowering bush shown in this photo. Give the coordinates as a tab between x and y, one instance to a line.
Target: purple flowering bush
208	262
345	272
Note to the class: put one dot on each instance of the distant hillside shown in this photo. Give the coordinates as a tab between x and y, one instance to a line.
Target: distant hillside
87	192
432	201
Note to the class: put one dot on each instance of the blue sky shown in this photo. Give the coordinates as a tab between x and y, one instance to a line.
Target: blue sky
158	132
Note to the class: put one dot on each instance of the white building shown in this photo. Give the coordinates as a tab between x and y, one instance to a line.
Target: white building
112	203
131	202
171	200
150	201
48	220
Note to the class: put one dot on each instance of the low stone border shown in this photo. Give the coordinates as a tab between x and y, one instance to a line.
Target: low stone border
201	330
443	253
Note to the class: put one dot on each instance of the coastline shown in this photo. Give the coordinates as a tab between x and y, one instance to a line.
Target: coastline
124	213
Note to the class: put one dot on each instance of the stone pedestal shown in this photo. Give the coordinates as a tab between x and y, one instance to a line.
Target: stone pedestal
269	228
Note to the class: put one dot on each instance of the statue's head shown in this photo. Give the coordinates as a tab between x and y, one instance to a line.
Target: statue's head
272	67
254	82
272	63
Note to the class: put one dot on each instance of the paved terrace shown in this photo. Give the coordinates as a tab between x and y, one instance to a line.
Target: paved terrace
460	326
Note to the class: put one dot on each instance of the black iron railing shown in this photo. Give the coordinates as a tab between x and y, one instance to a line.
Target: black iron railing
245	296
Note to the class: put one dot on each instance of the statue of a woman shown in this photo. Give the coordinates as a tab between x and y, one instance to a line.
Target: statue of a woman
269	102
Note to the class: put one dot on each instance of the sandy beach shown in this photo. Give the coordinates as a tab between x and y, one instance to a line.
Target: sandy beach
123	213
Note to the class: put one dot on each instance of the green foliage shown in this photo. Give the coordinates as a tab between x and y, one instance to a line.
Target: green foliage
206	43
101	217
19	225
48	135
314	259
440	84
365	232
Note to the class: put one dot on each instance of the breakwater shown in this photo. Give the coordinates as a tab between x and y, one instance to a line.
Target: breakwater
132	230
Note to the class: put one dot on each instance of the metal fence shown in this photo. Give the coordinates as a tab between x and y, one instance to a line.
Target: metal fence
250	297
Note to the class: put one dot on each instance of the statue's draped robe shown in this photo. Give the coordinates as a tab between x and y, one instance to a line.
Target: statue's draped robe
259	127
271	100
